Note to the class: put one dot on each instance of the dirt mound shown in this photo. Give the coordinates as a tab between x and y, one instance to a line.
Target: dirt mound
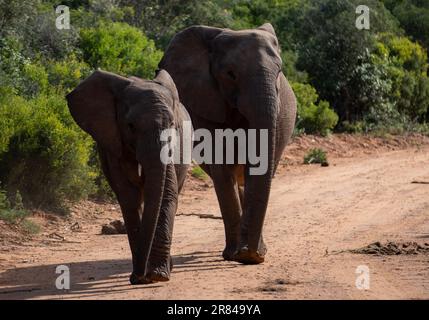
393	248
348	145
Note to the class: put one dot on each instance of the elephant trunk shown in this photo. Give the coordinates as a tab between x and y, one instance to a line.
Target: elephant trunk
148	155
160	250
262	115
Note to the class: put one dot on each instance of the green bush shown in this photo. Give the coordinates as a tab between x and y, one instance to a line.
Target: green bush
313	116
392	86
43	154
407	66
352	127
11	62
120	48
316	155
34	80
12	213
65	75
15	213
198	173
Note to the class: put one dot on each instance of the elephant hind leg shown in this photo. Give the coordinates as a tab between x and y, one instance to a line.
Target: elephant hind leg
225	184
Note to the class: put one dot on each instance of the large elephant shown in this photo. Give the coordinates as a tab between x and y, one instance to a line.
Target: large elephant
233	79
126	116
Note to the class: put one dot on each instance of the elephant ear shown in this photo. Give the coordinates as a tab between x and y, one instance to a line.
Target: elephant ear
268	27
92	105
187	60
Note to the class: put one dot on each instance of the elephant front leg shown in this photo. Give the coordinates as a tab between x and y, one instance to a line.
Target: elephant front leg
243	255
160	262
227	194
252	249
130	199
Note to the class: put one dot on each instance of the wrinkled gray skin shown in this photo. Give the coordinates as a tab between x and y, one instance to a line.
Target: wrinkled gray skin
233	79
125	118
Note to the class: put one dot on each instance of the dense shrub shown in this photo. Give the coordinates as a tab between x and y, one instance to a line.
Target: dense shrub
120	48
313	116
316	155
399	95
66	74
43	154
11	62
16	214
408	66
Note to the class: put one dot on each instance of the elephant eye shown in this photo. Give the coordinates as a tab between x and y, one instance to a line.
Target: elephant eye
231	75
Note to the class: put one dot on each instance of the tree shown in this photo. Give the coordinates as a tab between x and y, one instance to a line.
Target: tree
161	19
331	49
285	15
414	18
14	14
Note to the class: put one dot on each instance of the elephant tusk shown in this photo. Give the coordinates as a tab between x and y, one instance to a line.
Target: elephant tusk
139	170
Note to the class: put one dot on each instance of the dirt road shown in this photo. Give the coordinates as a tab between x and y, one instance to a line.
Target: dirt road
315	215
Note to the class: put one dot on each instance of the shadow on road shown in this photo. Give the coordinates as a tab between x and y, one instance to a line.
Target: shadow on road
92	278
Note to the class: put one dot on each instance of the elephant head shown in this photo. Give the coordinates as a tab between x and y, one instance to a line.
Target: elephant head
126	116
220	73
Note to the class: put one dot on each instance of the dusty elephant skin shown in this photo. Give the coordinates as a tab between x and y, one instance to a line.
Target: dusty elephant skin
125	117
233	79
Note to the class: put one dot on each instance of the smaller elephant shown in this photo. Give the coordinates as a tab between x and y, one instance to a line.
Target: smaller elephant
126	117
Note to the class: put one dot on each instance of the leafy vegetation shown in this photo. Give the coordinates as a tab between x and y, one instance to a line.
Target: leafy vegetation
198	173
316	155
120	48
15	213
44	154
344	79
313	116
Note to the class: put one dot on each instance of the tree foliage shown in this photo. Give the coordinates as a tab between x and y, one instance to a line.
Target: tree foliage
333	51
414	18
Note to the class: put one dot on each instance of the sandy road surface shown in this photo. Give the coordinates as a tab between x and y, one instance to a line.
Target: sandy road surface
314	212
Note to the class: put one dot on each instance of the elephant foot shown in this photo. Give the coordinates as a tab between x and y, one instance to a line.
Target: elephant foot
160	273
158	276
246	256
229	253
136	279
